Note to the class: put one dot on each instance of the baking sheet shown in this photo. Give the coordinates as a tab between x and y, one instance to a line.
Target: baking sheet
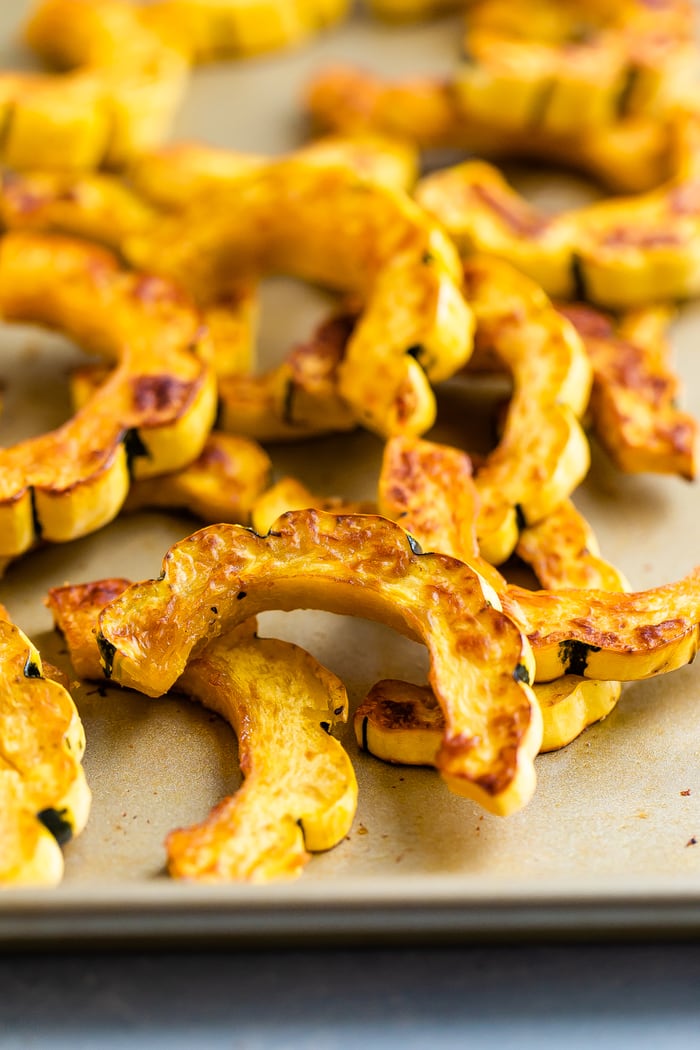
607	844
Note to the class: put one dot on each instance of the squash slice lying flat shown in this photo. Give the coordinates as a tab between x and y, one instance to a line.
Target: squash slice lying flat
44	798
299	791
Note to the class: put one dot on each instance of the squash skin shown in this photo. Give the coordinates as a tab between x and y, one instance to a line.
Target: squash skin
357	565
41	776
71	481
299	791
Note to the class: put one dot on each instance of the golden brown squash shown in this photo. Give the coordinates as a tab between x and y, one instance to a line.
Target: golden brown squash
299	791
336	229
361	565
562	550
566	65
44	797
222	484
632	155
618	253
152	415
543	453
116	93
403	723
634	402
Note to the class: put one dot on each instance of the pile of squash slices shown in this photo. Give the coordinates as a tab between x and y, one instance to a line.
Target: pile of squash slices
108	238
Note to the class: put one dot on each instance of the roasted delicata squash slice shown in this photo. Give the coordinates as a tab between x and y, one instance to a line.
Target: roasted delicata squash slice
429	490
361	238
632	155
116	93
562	550
299	791
123	68
403	723
598	634
543	453
44	797
222	484
484	214
151	416
634	402
366	238
618	253
299	397
360	565
173	175
209	32
570	65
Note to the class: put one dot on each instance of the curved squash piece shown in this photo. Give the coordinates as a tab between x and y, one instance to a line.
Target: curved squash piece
173	175
222	484
543	453
44	797
618	253
604	635
299	791
116	94
124	67
566	66
429	490
348	234
632	155
634	402
484	214
563	551
360	565
209	32
403	723
152	415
